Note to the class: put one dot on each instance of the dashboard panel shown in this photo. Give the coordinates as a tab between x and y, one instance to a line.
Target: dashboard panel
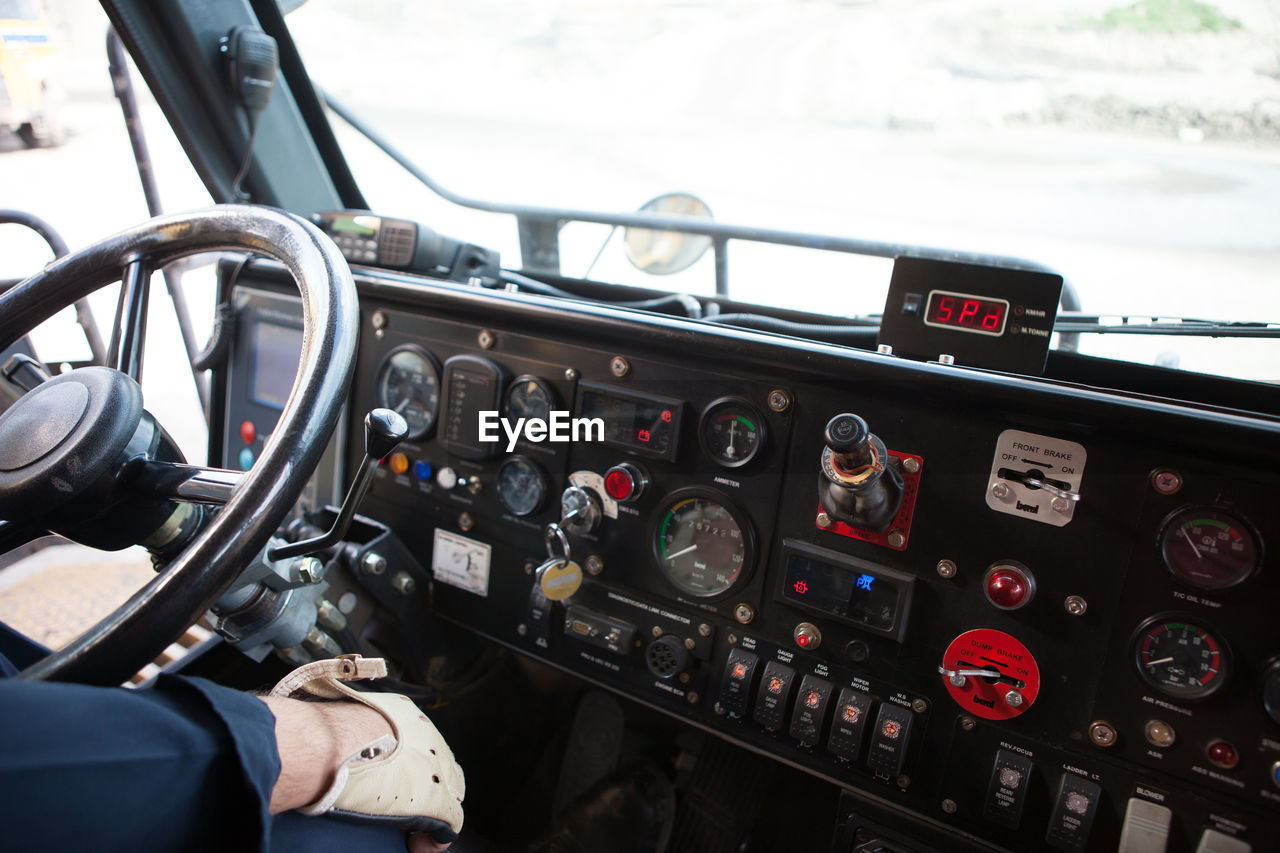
1030	614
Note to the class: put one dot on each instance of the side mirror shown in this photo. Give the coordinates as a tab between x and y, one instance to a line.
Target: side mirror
667	252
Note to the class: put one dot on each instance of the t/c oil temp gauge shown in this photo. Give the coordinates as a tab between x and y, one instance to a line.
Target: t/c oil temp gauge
1208	548
1181	659
732	432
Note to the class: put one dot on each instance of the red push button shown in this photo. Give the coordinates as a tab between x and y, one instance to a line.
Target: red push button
1008	586
1222	754
248	432
624	482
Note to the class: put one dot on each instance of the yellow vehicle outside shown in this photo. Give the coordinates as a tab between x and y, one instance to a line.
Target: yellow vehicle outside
28	52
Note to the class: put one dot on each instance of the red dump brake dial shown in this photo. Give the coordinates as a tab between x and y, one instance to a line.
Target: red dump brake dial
990	674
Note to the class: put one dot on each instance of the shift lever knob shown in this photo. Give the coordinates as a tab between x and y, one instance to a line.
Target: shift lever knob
383	430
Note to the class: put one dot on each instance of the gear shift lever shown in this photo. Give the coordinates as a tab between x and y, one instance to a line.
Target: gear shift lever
383	430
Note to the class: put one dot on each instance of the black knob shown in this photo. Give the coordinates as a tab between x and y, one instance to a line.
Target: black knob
846	433
383	430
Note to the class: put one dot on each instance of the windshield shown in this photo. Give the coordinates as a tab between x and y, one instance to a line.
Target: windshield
1135	147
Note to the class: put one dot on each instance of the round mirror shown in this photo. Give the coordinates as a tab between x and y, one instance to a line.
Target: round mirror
667	252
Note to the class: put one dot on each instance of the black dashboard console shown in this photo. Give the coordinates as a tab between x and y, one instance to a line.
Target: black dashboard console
1060	635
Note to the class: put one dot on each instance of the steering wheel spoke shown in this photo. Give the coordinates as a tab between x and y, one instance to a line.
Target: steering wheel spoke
129	332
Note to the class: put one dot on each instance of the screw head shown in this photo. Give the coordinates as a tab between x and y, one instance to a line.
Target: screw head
466	521
884	349
693	697
522	629
719	709
570	374
1075	605
1102	734
619	366
1001	491
485	339
744	613
310	570
402	583
946	358
779	400
593	564
896	539
919	706
733	639
947	568
1059	504
704	630
967	723
824	520
373	563
657	631
1013	699
1166	482
911	466
904	782
684	678
378	320
949	806
958	680
689	643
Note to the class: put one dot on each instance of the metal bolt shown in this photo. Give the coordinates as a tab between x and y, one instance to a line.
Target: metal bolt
946	358
485	339
919	706
320	644
904	782
657	631
779	400
824	520
1059	504
884	349
896	539
947	568
619	366
958	680
379	333
689	643
1102	734
1013	699
949	806
571	374
379	320
1166	482
967	723
1001	491
1075	605
684	678
328	616
522	629
474	281
719	709
744	613
704	630
733	639
693	697
474	484
465	521
910	465
402	583
373	563
593	565
310	570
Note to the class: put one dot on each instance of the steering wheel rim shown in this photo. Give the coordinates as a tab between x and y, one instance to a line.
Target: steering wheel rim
130	637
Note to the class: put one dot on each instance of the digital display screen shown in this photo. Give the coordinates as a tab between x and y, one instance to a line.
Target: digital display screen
966	312
859	596
365	226
276	350
646	425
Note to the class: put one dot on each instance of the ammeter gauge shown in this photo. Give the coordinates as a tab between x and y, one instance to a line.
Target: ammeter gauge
702	544
1181	659
732	432
1208	548
409	384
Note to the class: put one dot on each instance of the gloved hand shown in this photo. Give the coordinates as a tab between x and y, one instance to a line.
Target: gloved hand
408	778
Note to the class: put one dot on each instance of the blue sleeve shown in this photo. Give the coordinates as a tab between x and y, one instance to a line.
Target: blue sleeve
187	765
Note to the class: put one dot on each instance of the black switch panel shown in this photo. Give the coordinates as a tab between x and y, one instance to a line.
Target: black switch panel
775	691
1007	790
889	740
849	725
811	708
1073	813
735	688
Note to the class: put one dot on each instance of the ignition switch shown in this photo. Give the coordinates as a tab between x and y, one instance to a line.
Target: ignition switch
860	483
579	510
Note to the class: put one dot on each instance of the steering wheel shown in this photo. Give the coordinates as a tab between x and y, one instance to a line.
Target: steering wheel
79	455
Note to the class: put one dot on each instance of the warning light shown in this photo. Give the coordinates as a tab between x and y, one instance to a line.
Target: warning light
802	640
851	713
801	587
739	671
643	435
891	729
666	416
813	700
775	685
865	581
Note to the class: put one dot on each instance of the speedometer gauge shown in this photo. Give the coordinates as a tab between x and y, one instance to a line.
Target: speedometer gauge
703	545
1208	548
409	384
1180	659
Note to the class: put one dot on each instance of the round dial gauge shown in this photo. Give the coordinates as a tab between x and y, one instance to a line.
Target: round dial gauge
1208	548
529	397
409	384
522	488
732	432
702	544
1180	658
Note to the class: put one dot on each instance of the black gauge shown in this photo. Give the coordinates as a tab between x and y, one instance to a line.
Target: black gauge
528	397
1180	659
522	488
1208	548
703	545
409	384
732	432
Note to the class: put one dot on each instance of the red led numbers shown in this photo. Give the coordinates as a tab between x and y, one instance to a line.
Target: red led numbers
966	313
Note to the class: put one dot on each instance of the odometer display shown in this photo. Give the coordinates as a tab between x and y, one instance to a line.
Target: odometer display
966	312
702	546
1180	659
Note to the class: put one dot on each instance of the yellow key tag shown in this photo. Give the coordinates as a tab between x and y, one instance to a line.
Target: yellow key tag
560	582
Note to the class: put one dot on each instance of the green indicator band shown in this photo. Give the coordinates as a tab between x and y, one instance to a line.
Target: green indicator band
1212	522
748	424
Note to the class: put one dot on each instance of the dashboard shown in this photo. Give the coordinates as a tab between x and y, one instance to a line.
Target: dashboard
1017	613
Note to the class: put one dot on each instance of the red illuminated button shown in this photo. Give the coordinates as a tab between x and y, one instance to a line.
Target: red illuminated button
624	482
248	432
807	635
1008	585
1222	754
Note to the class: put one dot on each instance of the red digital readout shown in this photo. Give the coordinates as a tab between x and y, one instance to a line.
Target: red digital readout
966	313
